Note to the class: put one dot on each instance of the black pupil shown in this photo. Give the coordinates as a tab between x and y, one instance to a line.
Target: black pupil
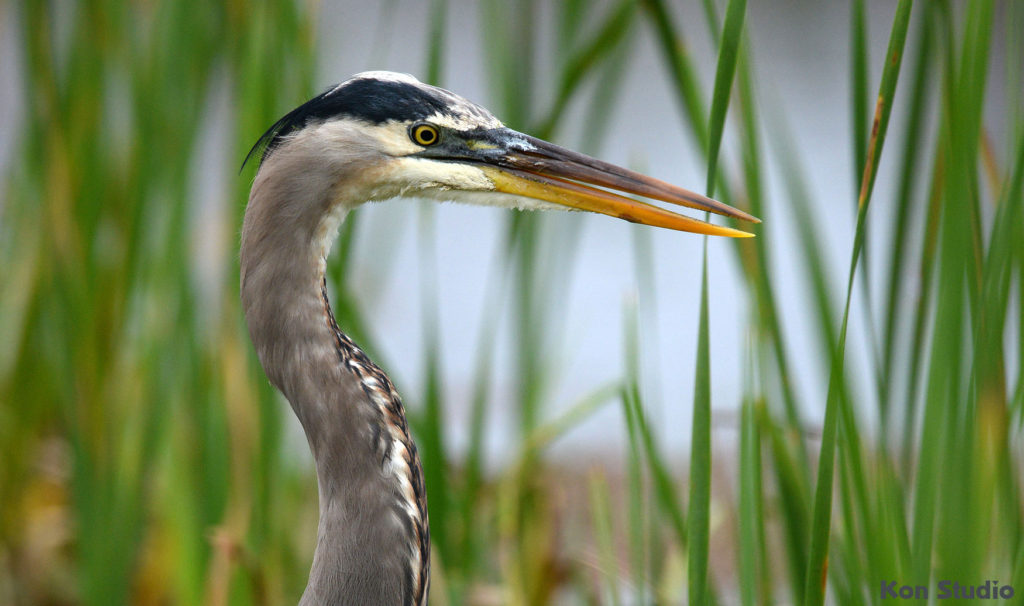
426	134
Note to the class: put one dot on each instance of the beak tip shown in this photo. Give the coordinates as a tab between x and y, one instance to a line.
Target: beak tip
724	209
743	216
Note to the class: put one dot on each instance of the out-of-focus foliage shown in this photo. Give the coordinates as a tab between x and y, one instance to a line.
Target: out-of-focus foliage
141	455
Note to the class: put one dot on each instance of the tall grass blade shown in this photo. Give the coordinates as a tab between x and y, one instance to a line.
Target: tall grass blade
859	86
601	519
814	586
754	254
431	438
633	412
589	57
725	68
475	455
751	546
607	91
699	517
680	69
699	520
435	43
899	263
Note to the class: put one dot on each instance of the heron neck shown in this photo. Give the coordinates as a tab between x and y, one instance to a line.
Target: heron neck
372	538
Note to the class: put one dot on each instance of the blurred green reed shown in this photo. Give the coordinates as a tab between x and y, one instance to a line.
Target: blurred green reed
142	448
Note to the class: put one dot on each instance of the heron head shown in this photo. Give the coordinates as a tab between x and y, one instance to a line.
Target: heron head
390	135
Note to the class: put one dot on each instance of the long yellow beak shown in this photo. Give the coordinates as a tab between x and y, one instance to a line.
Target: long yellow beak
582	197
534	168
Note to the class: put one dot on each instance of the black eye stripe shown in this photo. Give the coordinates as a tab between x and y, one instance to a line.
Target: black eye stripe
376	100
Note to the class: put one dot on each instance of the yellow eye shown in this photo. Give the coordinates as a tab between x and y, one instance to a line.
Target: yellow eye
425	134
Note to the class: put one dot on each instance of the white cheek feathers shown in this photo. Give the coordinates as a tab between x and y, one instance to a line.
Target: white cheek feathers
421	176
492	198
451	182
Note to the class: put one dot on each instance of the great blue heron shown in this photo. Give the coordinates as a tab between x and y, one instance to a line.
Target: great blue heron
376	136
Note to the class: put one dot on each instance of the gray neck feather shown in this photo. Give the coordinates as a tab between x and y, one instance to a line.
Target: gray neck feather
372	539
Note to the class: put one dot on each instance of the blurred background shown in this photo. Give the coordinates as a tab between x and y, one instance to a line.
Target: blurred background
548	362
